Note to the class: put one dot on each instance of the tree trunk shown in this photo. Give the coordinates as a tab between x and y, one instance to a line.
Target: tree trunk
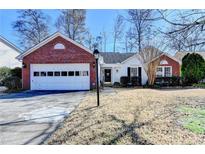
152	67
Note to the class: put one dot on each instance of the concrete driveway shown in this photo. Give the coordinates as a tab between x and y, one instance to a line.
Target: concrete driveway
30	117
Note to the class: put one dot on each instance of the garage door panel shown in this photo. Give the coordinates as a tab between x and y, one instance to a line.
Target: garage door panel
60	82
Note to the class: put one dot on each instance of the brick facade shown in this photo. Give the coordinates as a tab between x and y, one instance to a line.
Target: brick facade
171	62
48	55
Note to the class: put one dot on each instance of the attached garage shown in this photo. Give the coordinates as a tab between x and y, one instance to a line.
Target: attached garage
58	63
60	77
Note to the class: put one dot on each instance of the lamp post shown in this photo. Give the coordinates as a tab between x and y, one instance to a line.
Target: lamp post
96	54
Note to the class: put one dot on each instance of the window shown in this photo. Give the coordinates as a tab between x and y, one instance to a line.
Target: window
64	73
133	71
163	62
35	73
49	73
59	46
164	71
167	71
77	73
43	73
159	72
71	73
57	73
84	73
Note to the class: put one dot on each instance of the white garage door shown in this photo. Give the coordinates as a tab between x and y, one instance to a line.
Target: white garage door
60	77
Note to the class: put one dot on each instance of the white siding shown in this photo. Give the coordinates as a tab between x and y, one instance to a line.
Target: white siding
122	69
7	56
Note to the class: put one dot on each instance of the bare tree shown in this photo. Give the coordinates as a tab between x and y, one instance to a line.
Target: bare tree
31	27
117	30
141	19
148	54
187	28
72	23
104	40
130	41
89	40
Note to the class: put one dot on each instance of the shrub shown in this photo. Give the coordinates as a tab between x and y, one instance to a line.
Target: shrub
136	81
168	81
193	68
124	80
116	85
5	72
199	85
16	72
11	78
13	83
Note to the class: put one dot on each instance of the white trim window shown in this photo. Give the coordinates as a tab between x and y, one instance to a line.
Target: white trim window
164	71
133	71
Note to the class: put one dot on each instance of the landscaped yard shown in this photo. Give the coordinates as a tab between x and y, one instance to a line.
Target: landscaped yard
136	116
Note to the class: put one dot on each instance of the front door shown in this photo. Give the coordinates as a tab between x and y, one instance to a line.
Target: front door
107	75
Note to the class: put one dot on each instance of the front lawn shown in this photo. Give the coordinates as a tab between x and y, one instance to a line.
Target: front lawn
193	119
136	116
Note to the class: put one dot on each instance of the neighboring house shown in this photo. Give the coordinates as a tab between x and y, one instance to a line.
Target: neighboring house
8	54
58	63
180	54
168	66
115	65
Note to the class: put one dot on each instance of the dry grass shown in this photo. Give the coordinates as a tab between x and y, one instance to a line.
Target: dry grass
131	116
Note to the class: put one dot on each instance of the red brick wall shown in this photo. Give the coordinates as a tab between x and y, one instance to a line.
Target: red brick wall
47	55
175	65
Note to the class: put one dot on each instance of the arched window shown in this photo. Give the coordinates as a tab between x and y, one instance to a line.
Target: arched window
59	46
163	62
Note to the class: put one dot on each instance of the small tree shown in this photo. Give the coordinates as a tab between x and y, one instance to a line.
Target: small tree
193	68
148	54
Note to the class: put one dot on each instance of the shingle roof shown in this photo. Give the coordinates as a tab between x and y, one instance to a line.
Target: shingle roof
8	43
115	57
180	54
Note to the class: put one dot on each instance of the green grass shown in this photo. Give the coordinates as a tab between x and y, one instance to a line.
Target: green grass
199	85
193	119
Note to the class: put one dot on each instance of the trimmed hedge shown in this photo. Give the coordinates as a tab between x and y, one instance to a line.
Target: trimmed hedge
168	81
124	80
136	81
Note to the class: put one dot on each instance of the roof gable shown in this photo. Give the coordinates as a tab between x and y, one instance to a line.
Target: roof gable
47	40
165	54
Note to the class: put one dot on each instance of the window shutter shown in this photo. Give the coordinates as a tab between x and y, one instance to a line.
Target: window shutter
140	75
128	73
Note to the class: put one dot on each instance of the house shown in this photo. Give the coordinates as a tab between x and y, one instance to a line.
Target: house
168	65
115	65
180	54
8	53
58	63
